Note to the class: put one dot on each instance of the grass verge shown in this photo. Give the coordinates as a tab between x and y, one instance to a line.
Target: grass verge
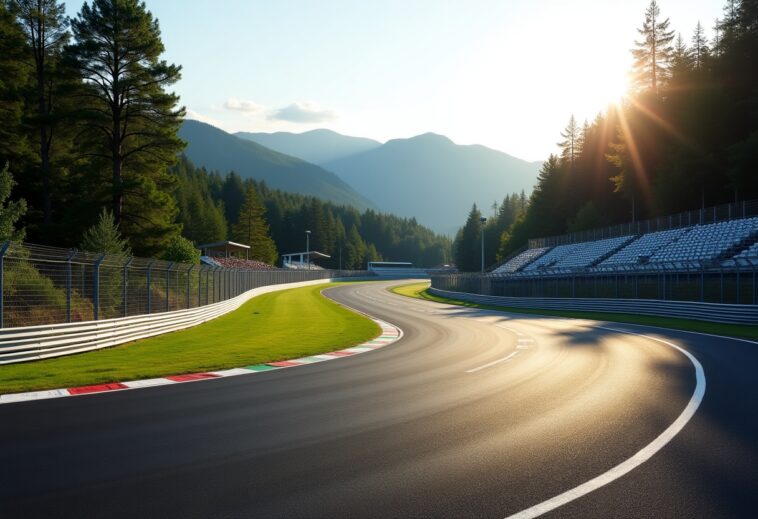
419	291
276	326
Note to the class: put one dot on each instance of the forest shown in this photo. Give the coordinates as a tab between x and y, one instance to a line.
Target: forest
211	207
685	137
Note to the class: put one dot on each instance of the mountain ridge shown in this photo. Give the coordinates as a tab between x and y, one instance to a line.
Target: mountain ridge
218	150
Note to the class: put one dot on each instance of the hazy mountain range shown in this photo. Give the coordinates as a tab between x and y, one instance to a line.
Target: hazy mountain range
317	146
217	150
428	177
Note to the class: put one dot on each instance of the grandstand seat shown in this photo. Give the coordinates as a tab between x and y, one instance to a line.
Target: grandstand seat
519	261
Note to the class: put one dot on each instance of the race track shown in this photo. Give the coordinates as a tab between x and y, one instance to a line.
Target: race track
471	414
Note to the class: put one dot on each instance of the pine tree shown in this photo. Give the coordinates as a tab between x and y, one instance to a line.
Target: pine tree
356	250
468	243
570	144
131	118
699	46
653	53
13	79
104	237
252	229
46	27
10	212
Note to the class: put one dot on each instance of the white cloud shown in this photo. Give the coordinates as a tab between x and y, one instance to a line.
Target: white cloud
241	105
303	113
191	114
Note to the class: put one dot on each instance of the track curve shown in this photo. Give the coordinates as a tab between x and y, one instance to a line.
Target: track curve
472	414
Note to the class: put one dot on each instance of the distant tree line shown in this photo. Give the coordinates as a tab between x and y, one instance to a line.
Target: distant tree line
686	136
89	146
215	207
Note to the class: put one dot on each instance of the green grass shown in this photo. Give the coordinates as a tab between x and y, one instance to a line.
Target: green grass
276	326
419	291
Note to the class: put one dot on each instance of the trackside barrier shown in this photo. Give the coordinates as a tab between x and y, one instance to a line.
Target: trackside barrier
712	312
44	341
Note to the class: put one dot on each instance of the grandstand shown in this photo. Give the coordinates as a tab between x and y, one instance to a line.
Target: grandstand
640	250
731	243
519	261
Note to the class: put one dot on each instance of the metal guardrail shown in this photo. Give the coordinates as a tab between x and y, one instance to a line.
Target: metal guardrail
712	312
45	341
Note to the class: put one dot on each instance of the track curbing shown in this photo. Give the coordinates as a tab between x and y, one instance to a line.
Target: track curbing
390	334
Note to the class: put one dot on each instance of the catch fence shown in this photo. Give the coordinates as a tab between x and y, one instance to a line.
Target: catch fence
48	285
733	285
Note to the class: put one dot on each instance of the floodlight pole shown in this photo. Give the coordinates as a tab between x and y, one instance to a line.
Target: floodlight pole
308	248
483	220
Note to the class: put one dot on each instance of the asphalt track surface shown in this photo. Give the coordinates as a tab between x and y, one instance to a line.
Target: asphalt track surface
472	414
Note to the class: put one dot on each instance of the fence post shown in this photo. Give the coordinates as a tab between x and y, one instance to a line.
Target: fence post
71	255
125	276
96	287
168	283
189	271
3	250
149	281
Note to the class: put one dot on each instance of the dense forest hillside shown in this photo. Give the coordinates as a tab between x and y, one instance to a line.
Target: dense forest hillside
93	156
433	179
209	205
316	146
685	137
215	149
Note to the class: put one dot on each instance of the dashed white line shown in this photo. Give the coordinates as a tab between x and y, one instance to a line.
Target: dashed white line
513	354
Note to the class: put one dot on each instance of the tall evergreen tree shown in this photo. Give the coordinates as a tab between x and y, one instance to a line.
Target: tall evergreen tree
13	80
570	144
699	46
468	243
130	117
252	229
653	53
46	27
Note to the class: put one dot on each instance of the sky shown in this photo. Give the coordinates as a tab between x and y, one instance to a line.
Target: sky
507	74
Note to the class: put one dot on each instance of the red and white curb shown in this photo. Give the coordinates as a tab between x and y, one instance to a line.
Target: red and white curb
390	334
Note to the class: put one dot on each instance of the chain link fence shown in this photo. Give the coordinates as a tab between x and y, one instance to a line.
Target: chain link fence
49	285
736	284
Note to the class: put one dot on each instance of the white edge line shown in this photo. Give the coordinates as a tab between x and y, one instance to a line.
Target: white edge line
642	455
511	355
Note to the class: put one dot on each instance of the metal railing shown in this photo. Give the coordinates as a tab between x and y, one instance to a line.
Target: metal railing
707	215
42	285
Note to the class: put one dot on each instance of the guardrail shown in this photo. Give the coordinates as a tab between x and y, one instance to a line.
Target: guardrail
712	312
44	341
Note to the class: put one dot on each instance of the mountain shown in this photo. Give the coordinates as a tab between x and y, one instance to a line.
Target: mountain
217	150
316	146
433	179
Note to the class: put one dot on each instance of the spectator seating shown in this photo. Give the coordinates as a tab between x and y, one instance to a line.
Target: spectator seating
643	247
733	243
707	242
552	257
588	253
237	263
519	261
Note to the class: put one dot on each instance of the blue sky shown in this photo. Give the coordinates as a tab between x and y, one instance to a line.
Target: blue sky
506	74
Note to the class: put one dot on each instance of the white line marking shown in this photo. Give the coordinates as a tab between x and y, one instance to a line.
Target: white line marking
638	459
513	354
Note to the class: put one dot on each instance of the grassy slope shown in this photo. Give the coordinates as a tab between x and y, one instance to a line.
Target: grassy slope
280	325
419	290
